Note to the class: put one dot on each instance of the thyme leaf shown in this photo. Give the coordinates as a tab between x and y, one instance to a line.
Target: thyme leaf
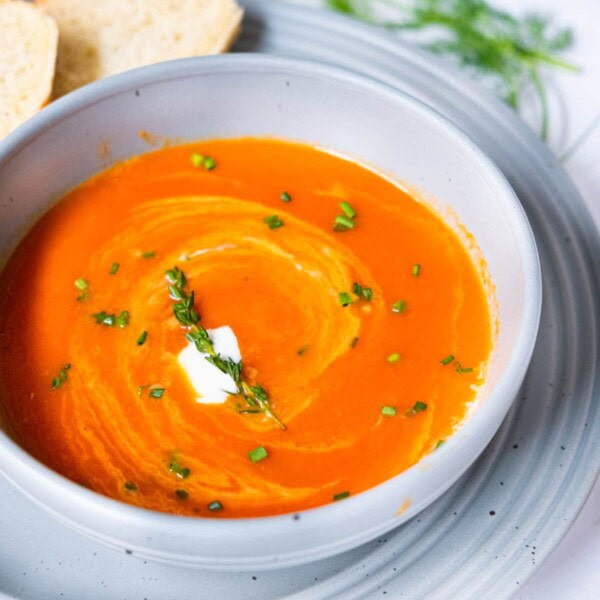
255	397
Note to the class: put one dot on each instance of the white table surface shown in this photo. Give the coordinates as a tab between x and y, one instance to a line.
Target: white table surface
573	570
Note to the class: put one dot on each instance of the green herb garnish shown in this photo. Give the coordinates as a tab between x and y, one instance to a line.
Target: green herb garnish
182	494
61	377
208	162
417	408
215	505
273	221
393	358
150	254
447	360
258	454
365	293
440	443
156	393
388	411
343	223
399	306
340	496
177	469
255	396
285	197
130	486
110	320
416	270
348	210
82	285
114	268
460	369
142	338
345	298
503	51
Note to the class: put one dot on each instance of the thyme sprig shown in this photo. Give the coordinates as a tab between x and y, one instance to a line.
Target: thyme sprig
256	400
506	52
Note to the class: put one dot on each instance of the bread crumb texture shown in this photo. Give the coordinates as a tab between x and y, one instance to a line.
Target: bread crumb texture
98	39
28	42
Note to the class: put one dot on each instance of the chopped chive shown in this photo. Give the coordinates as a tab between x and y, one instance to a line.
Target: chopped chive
285	197
209	163
215	505
393	358
362	292
342	223
142	339
114	268
440	443
156	392
447	360
354	342
345	298
460	369
182	494
150	254
273	221
103	318
61	377
399	306
388	411
130	486
177	469
81	284
367	294
197	159
417	408
348	210
340	496
416	270
258	454
302	351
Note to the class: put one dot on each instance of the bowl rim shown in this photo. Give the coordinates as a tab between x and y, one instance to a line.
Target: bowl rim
500	397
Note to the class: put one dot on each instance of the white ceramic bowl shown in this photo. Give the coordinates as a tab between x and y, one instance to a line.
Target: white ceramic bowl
245	95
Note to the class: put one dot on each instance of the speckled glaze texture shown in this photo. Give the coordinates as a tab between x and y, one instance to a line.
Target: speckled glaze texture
486	534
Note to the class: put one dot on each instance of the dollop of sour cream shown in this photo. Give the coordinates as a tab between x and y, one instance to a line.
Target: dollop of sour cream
212	385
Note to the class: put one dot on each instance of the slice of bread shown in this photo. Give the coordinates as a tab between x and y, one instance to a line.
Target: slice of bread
103	37
28	41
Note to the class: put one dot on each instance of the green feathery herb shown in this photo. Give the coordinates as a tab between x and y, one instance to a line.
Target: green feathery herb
255	396
393	358
114	268
215	505
345	298
149	254
416	270
388	411
156	392
462	370
440	443
182	494
505	52
142	338
61	377
447	360
285	197
130	486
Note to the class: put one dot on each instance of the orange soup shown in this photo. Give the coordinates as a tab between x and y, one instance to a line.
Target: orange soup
239	328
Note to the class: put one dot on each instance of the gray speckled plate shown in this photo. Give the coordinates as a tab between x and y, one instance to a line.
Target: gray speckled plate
491	530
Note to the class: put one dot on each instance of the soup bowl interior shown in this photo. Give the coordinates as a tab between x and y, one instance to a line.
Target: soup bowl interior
236	96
